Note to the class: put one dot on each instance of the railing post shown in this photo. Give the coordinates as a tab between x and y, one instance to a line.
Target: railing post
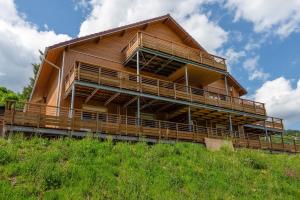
259	142
191	94
97	122
158	87
194	133
174	86
282	140
176	132
271	143
126	123
79	65
159	129
99	76
295	146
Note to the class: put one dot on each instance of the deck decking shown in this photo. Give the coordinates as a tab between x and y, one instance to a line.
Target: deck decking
41	117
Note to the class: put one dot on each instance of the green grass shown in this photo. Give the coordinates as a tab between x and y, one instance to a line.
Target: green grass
88	169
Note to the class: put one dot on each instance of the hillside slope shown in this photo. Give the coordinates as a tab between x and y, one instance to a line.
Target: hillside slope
89	169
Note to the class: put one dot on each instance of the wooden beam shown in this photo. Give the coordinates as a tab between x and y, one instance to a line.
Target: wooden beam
148	62
122	33
130	101
111	98
98	39
92	94
144	27
164	107
148	104
164	64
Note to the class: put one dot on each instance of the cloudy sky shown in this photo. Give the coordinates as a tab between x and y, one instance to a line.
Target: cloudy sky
259	38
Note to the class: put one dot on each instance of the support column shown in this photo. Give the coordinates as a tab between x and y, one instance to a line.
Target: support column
72	101
138	81
266	131
227	93
186	78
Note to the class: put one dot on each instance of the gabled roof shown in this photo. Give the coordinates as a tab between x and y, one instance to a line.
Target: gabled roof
165	18
233	81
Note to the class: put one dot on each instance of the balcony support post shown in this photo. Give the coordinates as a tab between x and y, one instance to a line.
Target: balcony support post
186	78
138	84
72	101
227	95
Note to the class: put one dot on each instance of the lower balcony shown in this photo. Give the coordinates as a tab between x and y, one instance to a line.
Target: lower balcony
42	118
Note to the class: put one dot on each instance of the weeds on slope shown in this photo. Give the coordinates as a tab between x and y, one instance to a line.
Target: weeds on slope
90	169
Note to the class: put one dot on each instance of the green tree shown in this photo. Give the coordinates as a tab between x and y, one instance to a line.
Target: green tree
28	89
6	94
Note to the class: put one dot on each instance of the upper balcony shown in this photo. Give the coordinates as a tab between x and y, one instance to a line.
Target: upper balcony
158	88
174	49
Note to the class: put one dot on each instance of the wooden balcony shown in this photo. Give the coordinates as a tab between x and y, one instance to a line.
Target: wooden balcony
148	85
39	116
271	123
145	40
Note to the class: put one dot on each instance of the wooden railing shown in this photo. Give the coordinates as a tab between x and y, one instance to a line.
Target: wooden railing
109	77
142	39
62	118
271	122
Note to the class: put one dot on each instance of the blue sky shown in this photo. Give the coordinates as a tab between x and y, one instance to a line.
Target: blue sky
262	47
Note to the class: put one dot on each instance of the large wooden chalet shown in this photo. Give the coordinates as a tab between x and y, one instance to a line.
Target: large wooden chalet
147	80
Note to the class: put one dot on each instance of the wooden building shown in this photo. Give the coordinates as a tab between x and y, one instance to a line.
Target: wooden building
149	78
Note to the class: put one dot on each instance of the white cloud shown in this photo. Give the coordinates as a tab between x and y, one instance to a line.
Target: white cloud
254	72
282	100
232	57
19	44
281	17
106	14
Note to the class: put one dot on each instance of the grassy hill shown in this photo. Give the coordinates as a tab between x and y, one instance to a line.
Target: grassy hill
89	169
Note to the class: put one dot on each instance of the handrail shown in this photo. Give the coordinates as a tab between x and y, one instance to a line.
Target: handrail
149	85
45	116
144	39
271	122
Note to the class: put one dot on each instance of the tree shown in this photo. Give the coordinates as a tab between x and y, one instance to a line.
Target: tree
28	89
6	94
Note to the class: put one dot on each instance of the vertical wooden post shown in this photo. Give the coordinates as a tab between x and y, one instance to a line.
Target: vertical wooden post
159	129
97	122
138	82
79	64
282	141
99	76
295	146
259	142
158	87
194	134
176	132
271	143
174	88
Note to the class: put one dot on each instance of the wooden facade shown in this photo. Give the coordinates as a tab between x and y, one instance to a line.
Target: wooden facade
151	70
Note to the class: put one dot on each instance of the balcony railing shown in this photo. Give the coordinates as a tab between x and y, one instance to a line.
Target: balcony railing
271	122
39	116
142	39
148	85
